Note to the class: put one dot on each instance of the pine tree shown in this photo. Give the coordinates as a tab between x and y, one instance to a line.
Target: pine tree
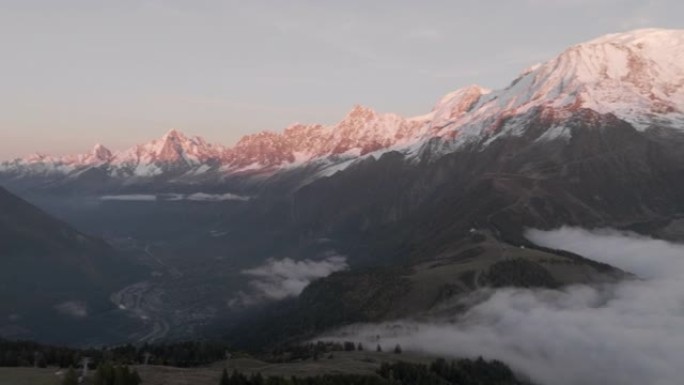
104	375
134	378
257	379
237	378
378	349
397	349
225	380
70	378
121	375
100	378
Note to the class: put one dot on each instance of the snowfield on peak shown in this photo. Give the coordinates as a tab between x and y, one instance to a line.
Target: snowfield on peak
637	76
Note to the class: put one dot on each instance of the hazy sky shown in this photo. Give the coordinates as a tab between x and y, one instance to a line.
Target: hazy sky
77	72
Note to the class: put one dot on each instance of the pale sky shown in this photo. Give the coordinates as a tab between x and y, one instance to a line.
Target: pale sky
119	72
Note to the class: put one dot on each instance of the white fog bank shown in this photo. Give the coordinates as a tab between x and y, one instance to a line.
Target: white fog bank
278	279
630	333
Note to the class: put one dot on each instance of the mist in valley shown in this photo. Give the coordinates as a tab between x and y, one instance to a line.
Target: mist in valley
622	333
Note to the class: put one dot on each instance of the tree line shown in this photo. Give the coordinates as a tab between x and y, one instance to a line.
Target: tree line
182	354
107	374
318	350
440	372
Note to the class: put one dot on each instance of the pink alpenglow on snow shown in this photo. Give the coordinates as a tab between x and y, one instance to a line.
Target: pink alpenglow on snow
636	76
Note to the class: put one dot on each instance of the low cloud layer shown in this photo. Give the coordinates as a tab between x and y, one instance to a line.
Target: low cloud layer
130	197
215	197
628	333
287	278
644	256
76	309
197	197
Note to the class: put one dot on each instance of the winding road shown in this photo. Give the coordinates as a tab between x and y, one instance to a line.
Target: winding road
142	300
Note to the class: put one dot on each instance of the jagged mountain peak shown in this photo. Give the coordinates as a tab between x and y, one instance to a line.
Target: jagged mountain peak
298	129
174	150
460	93
633	75
457	103
178	141
101	153
174	135
37	157
636	76
360	112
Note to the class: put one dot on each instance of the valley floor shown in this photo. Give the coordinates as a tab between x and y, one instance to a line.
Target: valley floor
364	362
29	376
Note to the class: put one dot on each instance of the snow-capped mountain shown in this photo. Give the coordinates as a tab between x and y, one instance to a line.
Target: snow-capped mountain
174	151
361	132
591	138
637	77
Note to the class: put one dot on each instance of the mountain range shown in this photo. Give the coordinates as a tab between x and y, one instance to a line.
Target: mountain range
591	138
635	77
177	157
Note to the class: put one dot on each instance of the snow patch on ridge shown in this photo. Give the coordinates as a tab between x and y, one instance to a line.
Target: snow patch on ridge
555	133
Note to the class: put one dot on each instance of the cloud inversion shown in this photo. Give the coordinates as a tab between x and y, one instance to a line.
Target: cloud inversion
287	278
619	334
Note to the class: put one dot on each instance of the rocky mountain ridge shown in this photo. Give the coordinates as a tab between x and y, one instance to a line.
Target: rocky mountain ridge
636	76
